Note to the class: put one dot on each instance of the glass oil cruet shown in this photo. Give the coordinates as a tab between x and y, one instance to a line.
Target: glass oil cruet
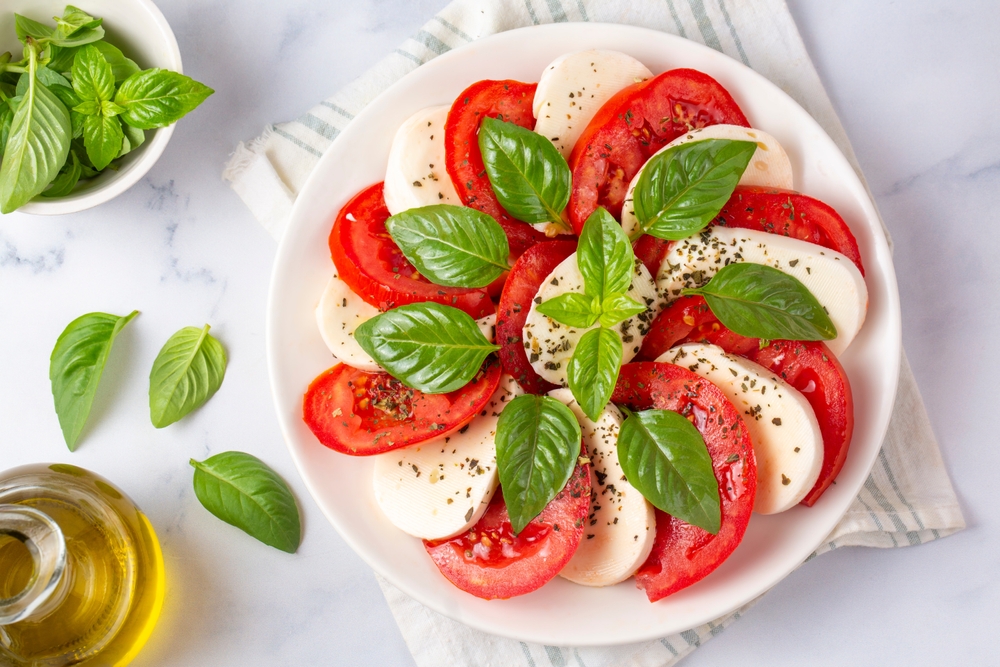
81	571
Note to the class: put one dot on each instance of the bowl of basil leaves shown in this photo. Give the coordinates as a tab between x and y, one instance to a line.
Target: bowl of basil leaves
88	99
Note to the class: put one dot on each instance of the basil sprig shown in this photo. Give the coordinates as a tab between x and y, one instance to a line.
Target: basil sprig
665	458
455	246
759	301
538	444
427	346
186	373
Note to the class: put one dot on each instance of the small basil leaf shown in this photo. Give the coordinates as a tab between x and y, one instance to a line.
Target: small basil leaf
683	188
664	456
61	57
605	256
76	365
156	98
102	136
433	348
92	75
187	372
51	78
538	443
109	108
454	246
244	492
617	308
527	173
759	301
121	67
75	20
134	137
88	108
572	309
593	370
81	37
25	28
67	179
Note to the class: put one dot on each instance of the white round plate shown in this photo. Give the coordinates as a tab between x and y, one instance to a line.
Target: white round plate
562	613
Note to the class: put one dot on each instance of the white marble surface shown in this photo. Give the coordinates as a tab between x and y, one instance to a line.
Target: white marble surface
916	86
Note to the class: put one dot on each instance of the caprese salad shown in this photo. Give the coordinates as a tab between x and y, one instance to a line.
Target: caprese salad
586	327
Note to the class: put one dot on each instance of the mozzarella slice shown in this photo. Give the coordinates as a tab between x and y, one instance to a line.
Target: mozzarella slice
339	313
550	345
621	524
415	175
441	488
488	326
769	166
832	278
787	442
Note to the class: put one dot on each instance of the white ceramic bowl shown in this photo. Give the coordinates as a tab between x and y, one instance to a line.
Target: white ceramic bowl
139	29
562	613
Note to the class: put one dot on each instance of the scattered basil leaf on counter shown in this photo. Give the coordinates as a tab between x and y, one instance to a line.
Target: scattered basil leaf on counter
157	97
617	308
538	444
664	456
76	365
427	346
187	372
593	370
604	256
67	179
759	301
529	176
102	136
572	309
244	492
683	188
455	246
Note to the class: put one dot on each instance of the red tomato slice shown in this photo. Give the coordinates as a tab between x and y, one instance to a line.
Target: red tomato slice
360	413
512	101
374	267
522	285
684	554
790	214
492	563
635	123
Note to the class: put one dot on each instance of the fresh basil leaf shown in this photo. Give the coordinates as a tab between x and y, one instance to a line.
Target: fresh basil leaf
156	98
527	173
61	57
23	83
572	309
683	188
109	108
81	37
187	372
244	492
134	137
121	67
664	456
67	179
88	108
102	136
605	256
433	348
92	75
759	301
617	308
6	116
76	123
59	86
538	444
25	28
37	147
454	246
593	370
74	20
76	365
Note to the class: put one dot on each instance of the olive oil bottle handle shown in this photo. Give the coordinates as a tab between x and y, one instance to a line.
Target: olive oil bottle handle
44	540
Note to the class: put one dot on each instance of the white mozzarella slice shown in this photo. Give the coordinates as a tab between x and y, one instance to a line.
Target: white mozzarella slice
621	525
550	345
787	441
769	166
416	175
832	278
339	313
488	326
441	488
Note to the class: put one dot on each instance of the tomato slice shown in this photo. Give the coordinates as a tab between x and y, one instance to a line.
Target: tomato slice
790	214
374	267
512	101
684	554
522	285
360	413
635	123
490	562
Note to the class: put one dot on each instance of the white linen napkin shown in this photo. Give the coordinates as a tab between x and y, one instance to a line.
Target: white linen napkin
908	498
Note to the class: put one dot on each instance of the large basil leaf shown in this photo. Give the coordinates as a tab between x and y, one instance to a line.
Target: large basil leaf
25	28
67	179
121	67
6	116
433	348
593	370
454	246
538	443
527	173
683	188
102	137
572	309
758	301
92	75
156	98
187	372
665	458
244	492
604	256
76	365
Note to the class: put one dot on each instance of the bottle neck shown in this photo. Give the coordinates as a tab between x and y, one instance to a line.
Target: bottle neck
44	540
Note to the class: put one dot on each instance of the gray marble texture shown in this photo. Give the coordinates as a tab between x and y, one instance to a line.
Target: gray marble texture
916	86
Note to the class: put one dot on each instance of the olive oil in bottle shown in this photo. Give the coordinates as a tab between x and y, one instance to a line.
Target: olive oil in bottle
81	572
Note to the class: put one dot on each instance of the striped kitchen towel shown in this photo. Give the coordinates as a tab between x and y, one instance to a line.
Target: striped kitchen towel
907	500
